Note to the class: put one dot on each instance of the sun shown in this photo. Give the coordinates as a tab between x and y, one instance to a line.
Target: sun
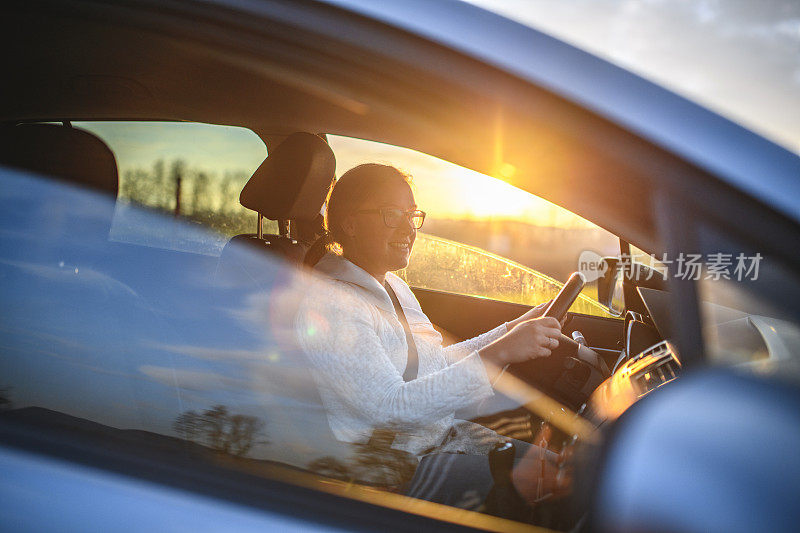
446	190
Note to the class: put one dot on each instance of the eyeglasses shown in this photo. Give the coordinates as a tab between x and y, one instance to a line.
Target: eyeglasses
393	216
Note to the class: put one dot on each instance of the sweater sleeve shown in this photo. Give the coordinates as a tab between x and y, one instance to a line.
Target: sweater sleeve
338	335
456	352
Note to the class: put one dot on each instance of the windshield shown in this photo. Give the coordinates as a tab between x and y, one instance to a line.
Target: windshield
738	58
749	307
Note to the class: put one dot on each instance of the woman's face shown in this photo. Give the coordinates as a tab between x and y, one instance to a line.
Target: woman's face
373	245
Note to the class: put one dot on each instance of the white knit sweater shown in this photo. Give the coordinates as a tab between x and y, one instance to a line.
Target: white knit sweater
348	328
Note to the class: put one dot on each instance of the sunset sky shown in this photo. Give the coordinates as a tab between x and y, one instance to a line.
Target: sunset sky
447	190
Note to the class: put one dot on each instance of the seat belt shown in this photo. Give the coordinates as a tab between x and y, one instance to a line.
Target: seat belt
412	364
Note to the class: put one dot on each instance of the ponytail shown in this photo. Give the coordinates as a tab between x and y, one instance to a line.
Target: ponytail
318	249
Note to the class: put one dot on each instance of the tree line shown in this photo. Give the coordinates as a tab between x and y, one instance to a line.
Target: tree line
209	198
221	430
373	463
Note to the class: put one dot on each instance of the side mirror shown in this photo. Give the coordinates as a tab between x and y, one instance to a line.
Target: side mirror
609	287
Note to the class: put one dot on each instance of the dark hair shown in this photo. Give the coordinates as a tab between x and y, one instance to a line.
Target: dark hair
350	191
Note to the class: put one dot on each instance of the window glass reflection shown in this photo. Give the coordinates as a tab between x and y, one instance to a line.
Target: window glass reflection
190	170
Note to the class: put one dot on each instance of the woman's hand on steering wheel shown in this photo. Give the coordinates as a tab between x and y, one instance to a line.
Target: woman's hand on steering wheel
532	313
528	339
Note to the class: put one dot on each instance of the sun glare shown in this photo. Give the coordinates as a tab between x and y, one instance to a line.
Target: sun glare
446	190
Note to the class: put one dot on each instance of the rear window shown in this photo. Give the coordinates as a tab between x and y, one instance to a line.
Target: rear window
191	170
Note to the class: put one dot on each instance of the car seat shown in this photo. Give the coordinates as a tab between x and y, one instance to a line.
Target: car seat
62	151
68	154
290	185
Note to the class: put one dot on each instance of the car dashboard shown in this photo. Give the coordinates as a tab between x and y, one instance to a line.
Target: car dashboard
635	378
733	337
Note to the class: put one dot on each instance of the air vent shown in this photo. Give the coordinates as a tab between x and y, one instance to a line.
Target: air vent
661	366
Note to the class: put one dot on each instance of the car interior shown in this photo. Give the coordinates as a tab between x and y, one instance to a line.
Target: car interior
293	86
290	187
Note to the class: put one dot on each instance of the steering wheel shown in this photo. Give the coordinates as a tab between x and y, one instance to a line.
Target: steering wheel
572	372
566	297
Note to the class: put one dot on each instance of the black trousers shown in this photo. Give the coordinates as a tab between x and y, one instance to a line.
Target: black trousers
456	479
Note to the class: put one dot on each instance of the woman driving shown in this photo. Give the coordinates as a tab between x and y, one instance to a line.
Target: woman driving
378	361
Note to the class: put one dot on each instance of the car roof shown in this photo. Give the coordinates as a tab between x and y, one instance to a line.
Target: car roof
725	149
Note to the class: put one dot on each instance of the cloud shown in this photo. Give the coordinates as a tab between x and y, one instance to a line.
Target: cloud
46	338
292	384
195	380
789	28
214	354
272	384
78	275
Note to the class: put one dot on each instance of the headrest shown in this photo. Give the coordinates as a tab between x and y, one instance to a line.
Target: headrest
293	180
61	151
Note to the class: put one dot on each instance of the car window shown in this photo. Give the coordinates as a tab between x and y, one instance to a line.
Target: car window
151	352
749	304
145	346
482	236
192	170
640	256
